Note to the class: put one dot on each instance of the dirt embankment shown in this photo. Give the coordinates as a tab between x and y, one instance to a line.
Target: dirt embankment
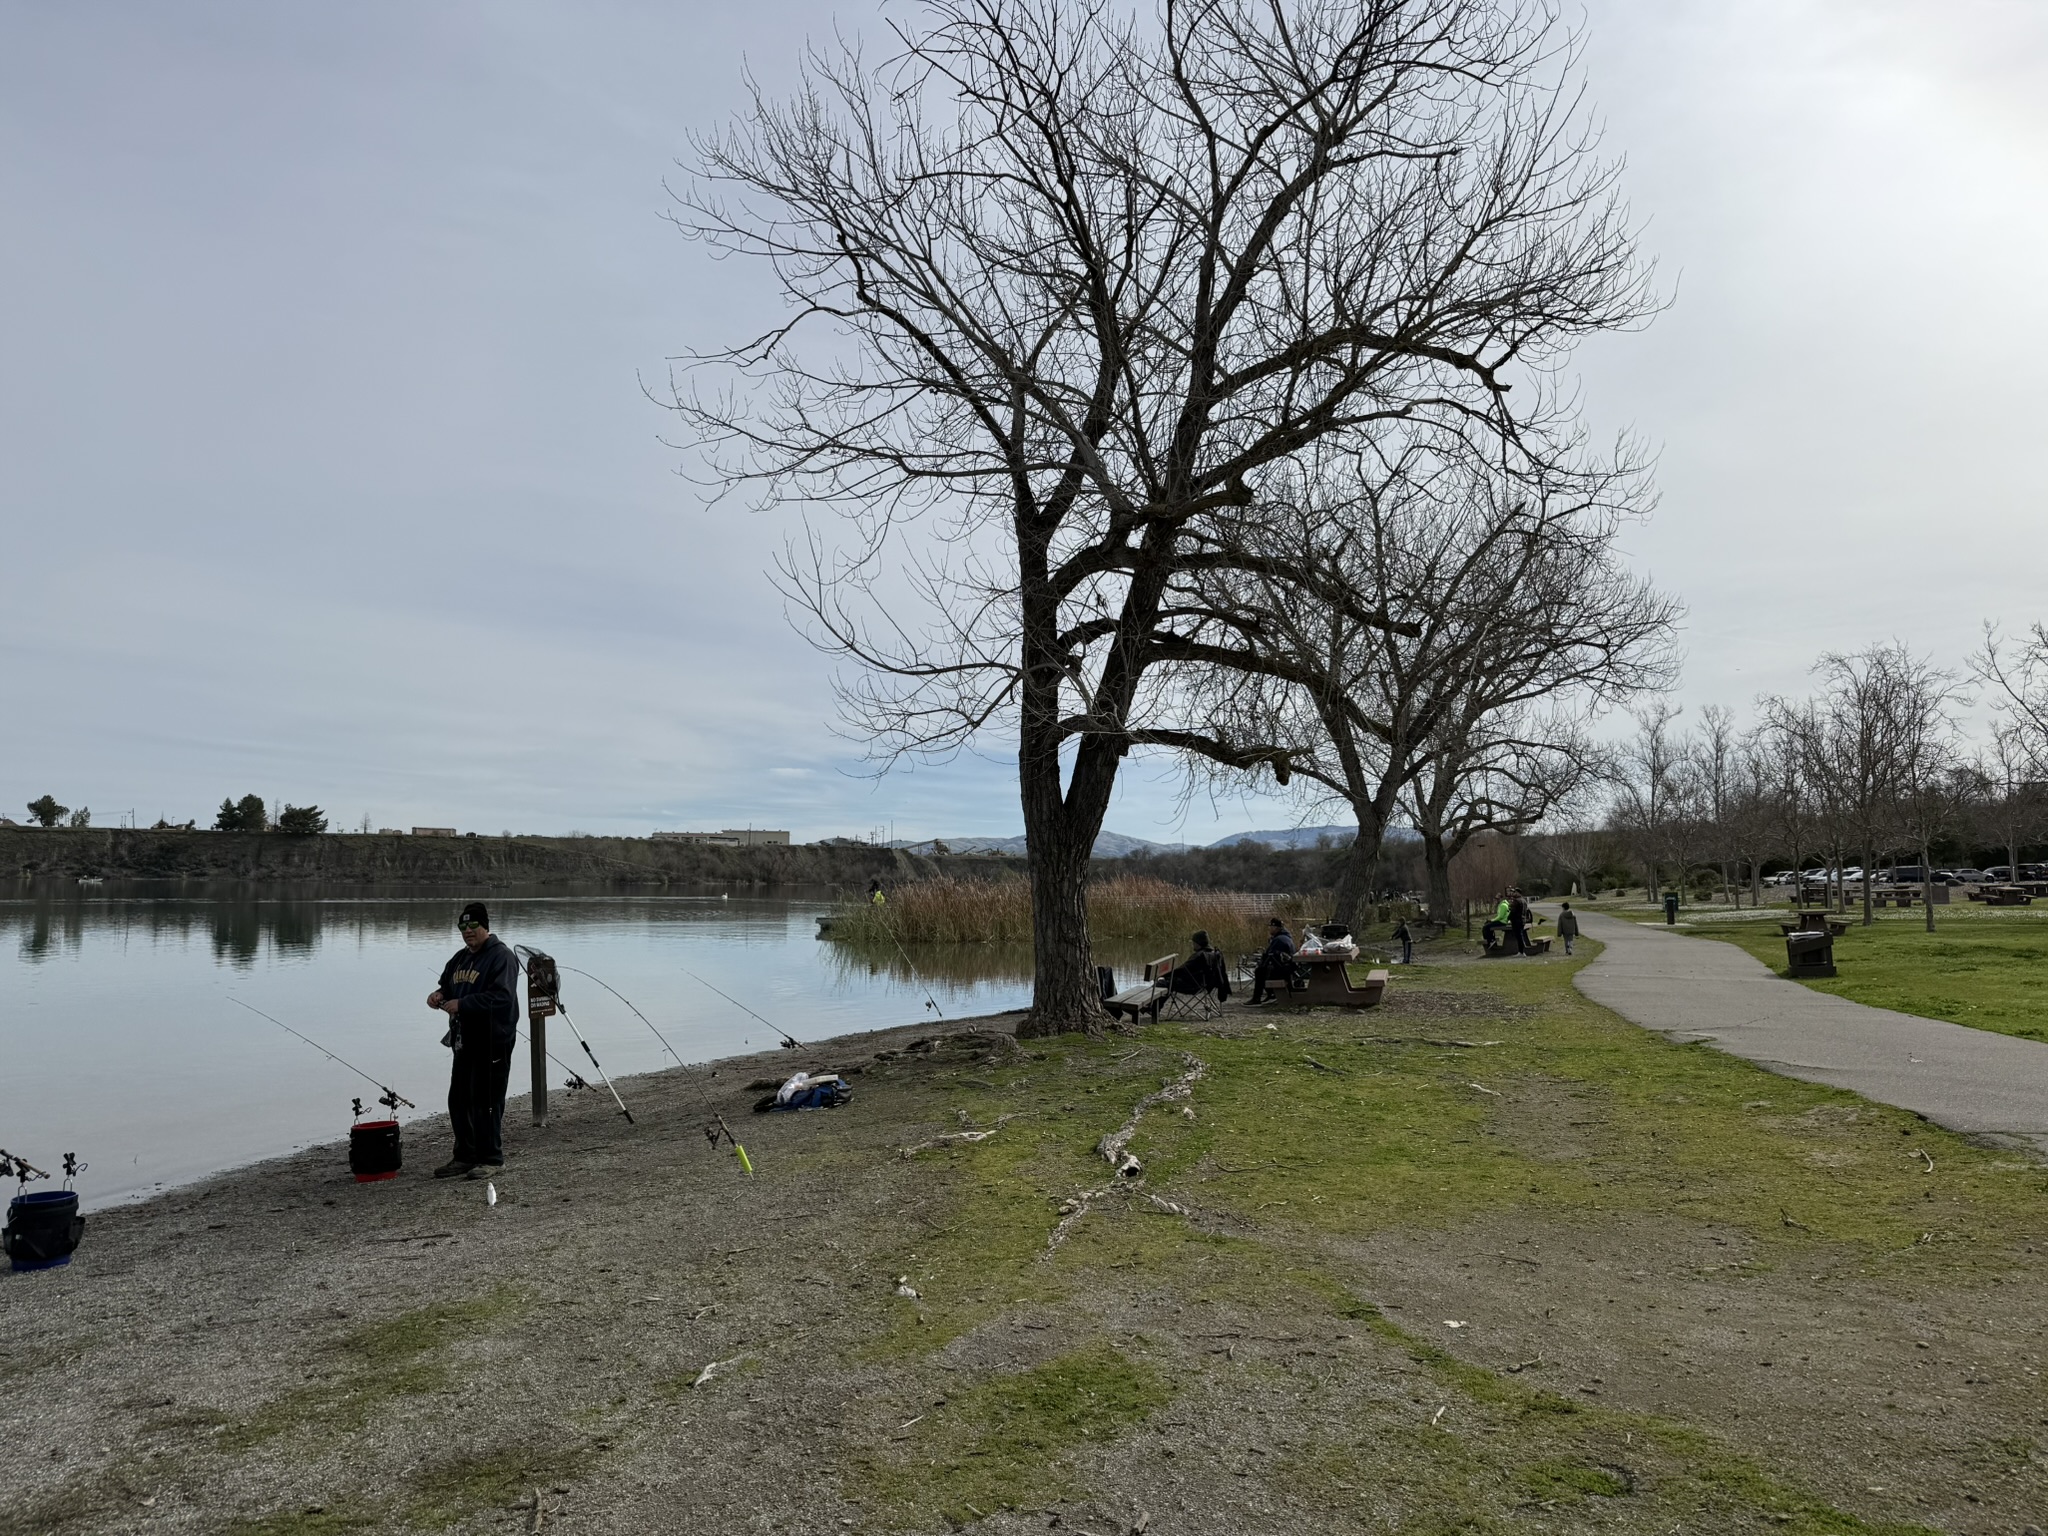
380	859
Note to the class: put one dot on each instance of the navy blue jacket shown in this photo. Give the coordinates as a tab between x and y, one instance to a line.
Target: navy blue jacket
486	985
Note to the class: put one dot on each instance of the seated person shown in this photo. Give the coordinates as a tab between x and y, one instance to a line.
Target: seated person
1276	963
1202	971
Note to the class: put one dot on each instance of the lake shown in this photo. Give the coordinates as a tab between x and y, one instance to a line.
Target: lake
121	1038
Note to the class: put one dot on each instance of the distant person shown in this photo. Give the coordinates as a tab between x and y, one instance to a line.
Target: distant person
1406	939
1518	923
1276	962
1492	932
875	894
1202	971
479	992
1567	926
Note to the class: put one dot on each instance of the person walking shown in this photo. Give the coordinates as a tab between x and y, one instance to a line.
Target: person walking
479	992
1518	923
1406	939
1276	962
1567	926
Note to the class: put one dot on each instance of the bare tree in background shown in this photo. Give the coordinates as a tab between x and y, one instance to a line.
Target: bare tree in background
2016	672
2015	802
1084	285
1508	591
1933	785
1654	795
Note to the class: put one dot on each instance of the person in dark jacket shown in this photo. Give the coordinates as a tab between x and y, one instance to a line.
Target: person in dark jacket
1518	923
479	992
1276	964
1568	926
1405	937
1202	971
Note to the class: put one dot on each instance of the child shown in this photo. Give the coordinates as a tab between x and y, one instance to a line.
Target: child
1567	926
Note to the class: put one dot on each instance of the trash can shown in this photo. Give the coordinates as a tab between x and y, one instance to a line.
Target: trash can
1810	953
1670	907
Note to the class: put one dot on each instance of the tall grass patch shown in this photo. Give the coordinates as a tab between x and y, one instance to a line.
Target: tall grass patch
947	910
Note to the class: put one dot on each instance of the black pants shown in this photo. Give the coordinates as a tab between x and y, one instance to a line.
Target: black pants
1518	941
1281	971
476	1101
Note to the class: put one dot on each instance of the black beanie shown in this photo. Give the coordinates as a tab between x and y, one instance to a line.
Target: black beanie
475	912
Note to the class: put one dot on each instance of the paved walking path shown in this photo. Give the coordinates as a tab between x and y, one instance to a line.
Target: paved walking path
1969	1080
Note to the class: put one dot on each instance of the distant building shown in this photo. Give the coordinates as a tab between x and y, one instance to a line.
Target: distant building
730	837
391	831
8	821
433	831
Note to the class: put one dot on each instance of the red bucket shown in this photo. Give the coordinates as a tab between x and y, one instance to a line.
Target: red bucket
373	1151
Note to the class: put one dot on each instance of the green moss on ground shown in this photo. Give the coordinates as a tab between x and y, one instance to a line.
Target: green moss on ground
448	1490
401	1356
998	1445
1980	967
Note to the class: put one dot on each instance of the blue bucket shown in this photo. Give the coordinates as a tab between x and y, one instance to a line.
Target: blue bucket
42	1229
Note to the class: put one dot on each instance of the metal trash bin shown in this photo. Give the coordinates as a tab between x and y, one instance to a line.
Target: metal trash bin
1808	953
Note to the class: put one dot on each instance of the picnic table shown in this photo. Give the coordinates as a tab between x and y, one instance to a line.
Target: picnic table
1326	983
1814	922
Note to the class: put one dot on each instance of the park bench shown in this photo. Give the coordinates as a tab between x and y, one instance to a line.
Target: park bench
1155	997
2007	896
1149	996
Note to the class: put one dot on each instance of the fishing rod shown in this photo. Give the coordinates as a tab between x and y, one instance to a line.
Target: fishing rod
929	1001
391	1098
789	1041
536	955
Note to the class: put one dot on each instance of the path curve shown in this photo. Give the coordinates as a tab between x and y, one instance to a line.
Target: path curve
1969	1080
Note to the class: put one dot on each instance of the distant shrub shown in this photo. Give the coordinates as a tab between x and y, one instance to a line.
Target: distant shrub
301	820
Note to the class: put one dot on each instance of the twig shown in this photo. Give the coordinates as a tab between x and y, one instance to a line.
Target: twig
1785	1217
1916	1152
1496	1093
962	1136
713	1368
1333	1071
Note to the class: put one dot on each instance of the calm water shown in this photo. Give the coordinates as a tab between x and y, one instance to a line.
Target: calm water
119	1039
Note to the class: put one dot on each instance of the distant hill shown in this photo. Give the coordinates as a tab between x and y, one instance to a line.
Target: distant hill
1291	837
1108	845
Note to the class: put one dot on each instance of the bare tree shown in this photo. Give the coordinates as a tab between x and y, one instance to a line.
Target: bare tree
2016	671
1654	801
1087	283
2015	795
1932	784
1508	592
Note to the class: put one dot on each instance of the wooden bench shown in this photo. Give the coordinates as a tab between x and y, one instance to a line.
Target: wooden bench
1149	997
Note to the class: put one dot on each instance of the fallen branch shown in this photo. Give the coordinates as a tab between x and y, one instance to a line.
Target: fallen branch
1115	1150
1495	1092
713	1368
1333	1071
959	1136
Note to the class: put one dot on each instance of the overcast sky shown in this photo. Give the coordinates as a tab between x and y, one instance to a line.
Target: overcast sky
326	473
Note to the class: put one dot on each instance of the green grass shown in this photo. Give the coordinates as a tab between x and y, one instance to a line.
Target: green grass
1980	968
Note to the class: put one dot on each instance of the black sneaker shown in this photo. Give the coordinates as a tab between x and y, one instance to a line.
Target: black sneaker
484	1170
455	1168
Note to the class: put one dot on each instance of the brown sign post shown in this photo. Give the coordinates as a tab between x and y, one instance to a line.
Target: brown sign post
543	995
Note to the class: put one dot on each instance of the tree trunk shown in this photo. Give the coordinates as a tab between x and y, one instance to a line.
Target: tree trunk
1927	883
1868	860
1437	873
1355	877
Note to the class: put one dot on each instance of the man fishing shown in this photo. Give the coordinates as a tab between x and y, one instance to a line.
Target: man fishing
479	992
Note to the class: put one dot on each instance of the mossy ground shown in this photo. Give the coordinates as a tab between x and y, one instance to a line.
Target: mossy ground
1981	966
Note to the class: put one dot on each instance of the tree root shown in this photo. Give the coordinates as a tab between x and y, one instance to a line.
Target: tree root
959	1136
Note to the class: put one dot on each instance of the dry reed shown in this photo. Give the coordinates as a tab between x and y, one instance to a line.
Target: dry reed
1128	907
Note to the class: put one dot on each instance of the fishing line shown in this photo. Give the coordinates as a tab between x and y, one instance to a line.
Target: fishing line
789	1041
929	1001
391	1096
615	992
519	950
